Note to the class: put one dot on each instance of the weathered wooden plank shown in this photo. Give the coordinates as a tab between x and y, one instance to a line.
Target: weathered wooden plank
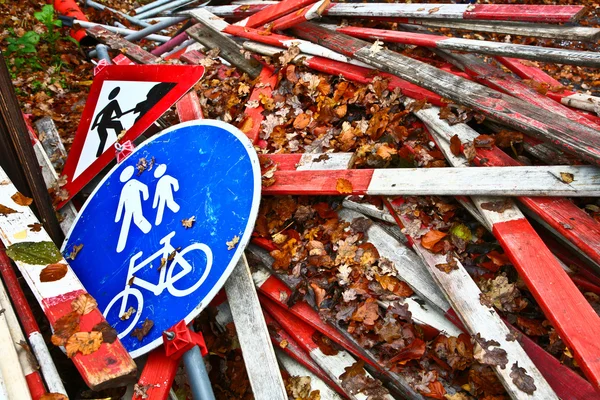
510	111
498	12
18	156
566	308
50	140
116	43
536	53
547	31
265	378
110	365
229	50
491	181
567	97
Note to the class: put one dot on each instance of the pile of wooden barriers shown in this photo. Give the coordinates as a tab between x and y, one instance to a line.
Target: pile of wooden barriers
554	123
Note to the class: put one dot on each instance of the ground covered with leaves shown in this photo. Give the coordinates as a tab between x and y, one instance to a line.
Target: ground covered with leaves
336	268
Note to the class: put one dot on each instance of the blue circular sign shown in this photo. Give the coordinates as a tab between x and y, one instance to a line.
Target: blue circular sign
164	229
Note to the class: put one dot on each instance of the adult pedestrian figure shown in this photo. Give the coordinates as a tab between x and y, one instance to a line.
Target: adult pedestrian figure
163	196
130	206
108	118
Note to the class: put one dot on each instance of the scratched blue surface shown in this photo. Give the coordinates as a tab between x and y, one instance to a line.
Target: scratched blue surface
216	185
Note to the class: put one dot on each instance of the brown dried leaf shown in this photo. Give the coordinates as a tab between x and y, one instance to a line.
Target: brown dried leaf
325	344
53	272
21	199
84	304
53	396
302	121
431	238
83	342
508	138
497	206
367	313
76	249
567	177
455	145
128	313
484	142
140	333
487	352
233	242
109	334
188	223
64	328
343	186
450	265
394	285
6	210
35	227
521	379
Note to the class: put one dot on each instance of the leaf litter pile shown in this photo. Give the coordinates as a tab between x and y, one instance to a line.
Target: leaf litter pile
331	263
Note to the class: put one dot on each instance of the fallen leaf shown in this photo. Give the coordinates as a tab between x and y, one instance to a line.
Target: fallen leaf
508	138
413	351
431	238
64	328
83	342
84	304
35	253
76	249
567	177
394	285
497	206
302	121
127	313
35	227
30	357
455	145
367	313
53	396
376	47
450	265
233	242
141	391
109	334
324	343
487	352
140	333
521	379
343	186
21	199
484	142
433	10
6	210
53	272
187	223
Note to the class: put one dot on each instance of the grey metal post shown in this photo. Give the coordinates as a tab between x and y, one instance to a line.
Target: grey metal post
129	18
164	7
197	375
149	6
102	52
154	28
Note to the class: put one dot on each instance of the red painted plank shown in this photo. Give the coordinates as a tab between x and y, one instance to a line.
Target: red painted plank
305	14
188	108
275	11
318	182
194	57
253	117
288	344
524	12
559	298
158	375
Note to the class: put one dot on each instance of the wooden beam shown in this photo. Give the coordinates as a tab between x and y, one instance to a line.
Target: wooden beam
567	97
108	366
458	12
273	12
536	53
307	13
546	31
117	43
18	156
491	181
510	111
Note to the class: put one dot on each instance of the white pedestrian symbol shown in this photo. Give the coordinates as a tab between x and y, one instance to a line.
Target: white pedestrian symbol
163	196
130	206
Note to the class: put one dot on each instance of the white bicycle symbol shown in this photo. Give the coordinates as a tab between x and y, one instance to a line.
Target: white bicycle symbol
166	280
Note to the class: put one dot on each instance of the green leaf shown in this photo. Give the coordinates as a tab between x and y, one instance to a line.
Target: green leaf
30	37
35	253
45	16
461	231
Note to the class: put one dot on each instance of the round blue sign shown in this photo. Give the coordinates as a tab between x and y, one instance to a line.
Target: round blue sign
164	229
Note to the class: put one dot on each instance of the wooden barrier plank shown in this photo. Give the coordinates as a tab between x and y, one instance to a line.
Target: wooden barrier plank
273	12
110	365
115	42
502	108
307	13
536	53
490	181
498	12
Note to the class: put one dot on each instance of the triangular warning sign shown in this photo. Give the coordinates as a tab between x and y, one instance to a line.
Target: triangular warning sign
123	98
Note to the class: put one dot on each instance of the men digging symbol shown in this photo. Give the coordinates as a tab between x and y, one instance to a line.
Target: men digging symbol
164	193
130	206
108	118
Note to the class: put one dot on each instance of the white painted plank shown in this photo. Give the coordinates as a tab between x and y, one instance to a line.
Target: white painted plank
10	367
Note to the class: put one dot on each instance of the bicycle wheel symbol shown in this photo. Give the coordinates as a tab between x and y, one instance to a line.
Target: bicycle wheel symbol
186	268
125	298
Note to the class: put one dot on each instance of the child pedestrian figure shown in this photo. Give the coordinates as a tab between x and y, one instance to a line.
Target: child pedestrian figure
163	195
130	206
